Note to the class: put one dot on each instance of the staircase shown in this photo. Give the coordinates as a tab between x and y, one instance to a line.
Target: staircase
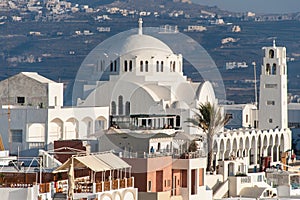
221	190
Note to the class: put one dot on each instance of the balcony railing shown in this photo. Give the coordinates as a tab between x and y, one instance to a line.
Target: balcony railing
105	185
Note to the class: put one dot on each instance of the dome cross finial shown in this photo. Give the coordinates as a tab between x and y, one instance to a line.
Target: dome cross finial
140	26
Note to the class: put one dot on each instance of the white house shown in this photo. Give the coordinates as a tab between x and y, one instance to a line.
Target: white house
33	116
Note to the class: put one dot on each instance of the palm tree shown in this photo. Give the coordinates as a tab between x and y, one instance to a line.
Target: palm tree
210	119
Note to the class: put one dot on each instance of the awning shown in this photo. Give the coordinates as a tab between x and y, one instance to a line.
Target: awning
97	163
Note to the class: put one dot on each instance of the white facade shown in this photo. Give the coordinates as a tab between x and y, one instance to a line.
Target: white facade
273	89
147	78
39	119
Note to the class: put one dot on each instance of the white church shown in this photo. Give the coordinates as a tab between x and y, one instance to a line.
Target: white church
147	91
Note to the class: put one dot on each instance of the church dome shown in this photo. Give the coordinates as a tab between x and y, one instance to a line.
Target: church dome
140	42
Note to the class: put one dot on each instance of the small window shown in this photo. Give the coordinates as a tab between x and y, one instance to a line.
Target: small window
146	66
21	100
141	66
270	120
274	69
247	118
113	108
125	66
162	66
130	65
157	66
111	66
149	186
17	136
270	103
271	53
115	65
268	69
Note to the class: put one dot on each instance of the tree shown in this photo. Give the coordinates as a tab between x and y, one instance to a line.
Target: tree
210	119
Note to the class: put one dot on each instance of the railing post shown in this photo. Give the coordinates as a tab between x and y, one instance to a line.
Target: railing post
94	188
125	182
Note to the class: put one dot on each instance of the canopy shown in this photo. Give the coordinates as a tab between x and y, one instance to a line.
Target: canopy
95	162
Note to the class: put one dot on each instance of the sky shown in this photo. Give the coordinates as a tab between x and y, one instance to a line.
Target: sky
257	6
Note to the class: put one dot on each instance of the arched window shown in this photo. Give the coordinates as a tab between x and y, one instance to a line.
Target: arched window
130	65
162	66
127	108
171	66
268	69
102	65
283	72
174	66
120	101
274	69
146	66
141	66
113	108
157	66
115	65
111	66
125	66
271	53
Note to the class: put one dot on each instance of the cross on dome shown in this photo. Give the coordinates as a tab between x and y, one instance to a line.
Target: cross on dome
140	26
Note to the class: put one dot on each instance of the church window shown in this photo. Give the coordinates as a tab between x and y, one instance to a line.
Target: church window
174	66
274	69
171	66
130	65
247	116
113	108
271	53
111	66
125	66
157	66
268	69
120	101
115	65
141	66
162	66
127	108
146	66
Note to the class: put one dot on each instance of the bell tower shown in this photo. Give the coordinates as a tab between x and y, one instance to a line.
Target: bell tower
273	89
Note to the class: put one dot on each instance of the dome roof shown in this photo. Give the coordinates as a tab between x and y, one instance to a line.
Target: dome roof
140	42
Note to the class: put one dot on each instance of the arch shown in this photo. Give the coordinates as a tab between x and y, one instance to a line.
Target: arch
100	123
162	66
125	66
107	197
228	149
55	129
141	66
234	147
241	148
113	108
274	69
276	149
120	105
129	195
87	126
222	149
71	128
281	145
157	66
271	53
252	151
127	108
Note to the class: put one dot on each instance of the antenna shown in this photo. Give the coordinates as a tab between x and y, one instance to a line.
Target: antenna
255	85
